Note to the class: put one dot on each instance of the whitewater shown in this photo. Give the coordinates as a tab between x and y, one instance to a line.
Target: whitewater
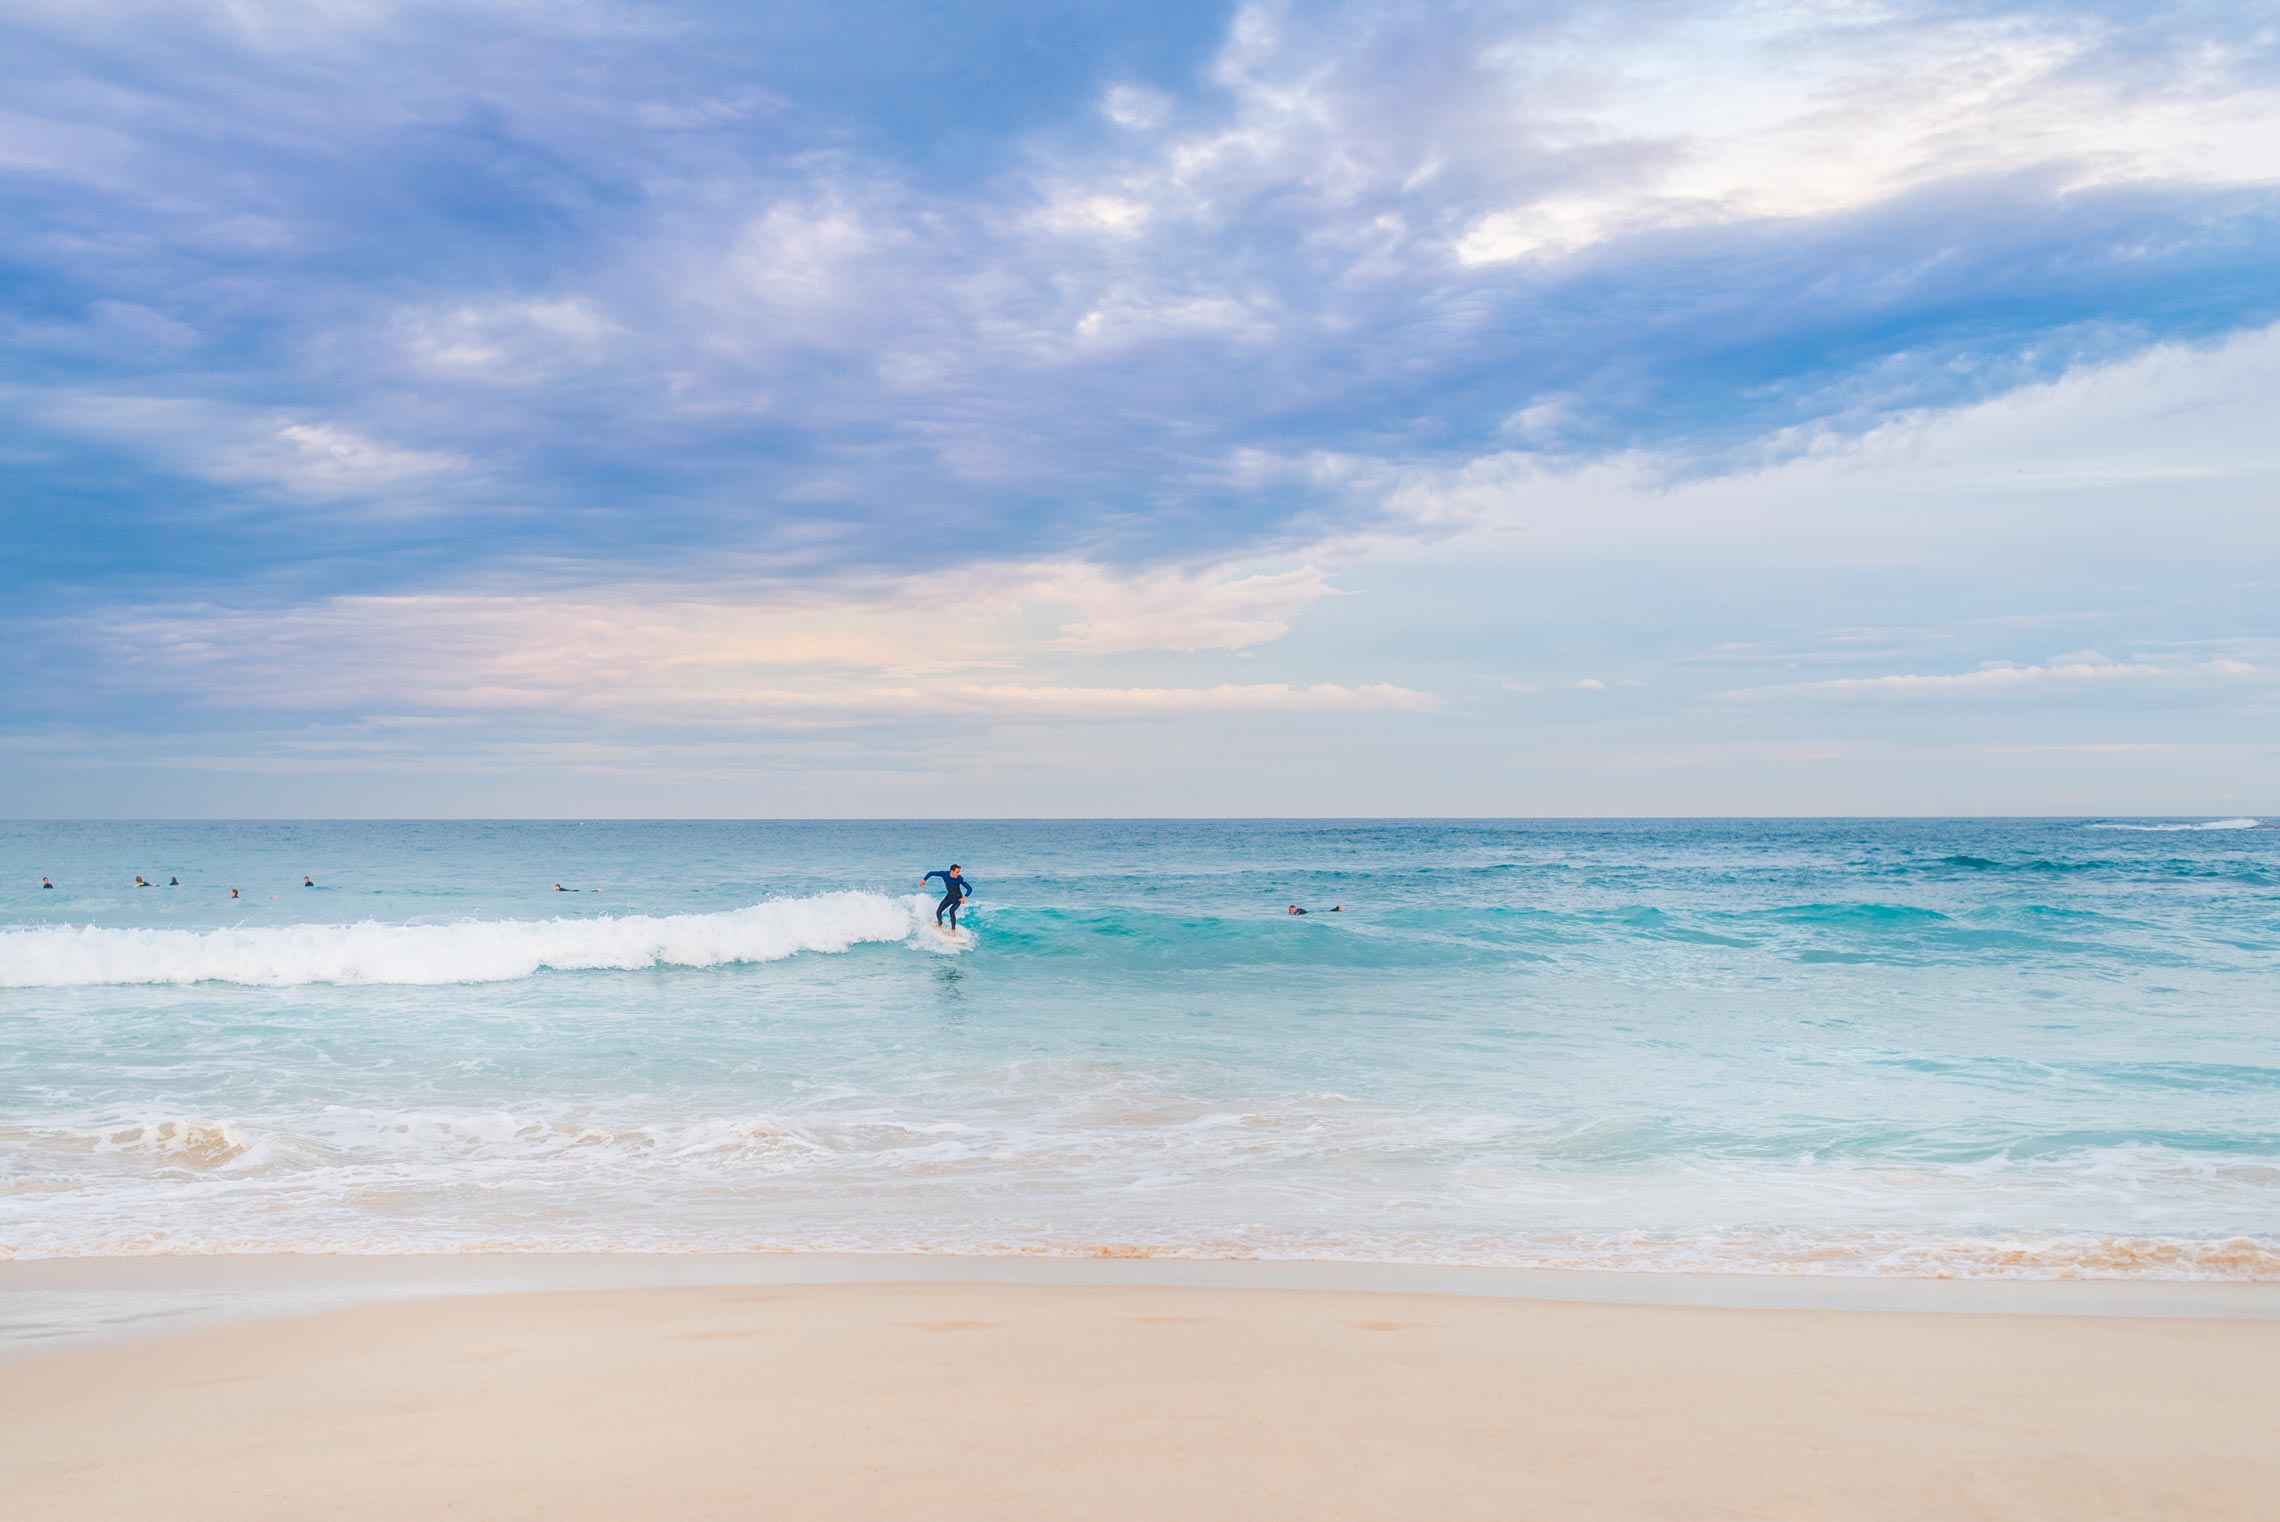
1982	1048
2167	826
468	951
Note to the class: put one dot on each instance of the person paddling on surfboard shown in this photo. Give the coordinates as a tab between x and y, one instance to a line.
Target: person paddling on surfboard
955	891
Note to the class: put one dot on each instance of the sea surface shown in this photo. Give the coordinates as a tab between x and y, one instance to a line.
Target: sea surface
2002	1048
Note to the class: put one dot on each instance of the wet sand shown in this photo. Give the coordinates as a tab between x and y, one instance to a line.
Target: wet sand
956	1401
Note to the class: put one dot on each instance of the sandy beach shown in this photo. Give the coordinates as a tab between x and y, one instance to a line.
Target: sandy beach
1032	1400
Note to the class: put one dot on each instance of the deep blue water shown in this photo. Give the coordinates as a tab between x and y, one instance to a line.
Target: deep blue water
1968	1046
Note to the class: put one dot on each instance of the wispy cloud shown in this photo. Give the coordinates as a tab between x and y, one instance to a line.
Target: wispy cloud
664	654
2042	464
2008	678
1176	608
299	456
1257	696
1799	112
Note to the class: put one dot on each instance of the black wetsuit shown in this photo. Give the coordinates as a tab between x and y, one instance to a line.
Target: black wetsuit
954	893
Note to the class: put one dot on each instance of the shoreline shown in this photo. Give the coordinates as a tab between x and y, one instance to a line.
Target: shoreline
1013	1401
58	1305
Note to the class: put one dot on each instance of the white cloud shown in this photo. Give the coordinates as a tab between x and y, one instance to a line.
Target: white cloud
880	646
1081	210
313	458
1270	696
1532	137
800	253
1544	229
1136	107
1807	110
2171	452
1176	609
2003	678
522	341
327	460
1504	134
1125	316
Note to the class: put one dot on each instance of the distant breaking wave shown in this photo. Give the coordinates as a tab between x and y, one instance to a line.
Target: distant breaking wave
2209	824
471	951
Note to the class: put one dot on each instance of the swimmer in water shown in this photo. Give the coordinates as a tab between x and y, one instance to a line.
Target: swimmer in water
1333	909
233	893
139	882
308	882
560	889
174	882
1294	909
45	883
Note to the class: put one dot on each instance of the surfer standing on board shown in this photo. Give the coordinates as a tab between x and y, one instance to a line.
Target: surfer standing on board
955	891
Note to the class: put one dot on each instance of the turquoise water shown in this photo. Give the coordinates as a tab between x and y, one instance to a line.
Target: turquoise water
2022	1048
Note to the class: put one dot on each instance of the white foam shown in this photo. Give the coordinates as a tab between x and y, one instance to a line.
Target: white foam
199	1143
2207	824
471	951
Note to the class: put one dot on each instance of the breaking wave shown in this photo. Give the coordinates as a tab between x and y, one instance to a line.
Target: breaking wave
2205	824
471	951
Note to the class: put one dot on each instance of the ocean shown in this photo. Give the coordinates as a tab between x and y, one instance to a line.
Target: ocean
1992	1048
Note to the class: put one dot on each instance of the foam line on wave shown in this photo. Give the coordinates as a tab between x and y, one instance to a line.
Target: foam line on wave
2166	829
469	951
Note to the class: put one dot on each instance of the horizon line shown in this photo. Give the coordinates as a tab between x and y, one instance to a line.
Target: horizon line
1115	818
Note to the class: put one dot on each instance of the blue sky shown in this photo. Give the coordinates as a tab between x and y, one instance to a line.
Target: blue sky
1011	409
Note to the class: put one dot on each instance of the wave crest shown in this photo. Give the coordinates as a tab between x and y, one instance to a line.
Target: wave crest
2163	829
471	951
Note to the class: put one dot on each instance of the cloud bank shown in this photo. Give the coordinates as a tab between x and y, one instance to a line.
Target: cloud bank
609	375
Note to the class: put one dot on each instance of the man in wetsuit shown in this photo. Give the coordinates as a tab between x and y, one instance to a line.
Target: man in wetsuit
955	890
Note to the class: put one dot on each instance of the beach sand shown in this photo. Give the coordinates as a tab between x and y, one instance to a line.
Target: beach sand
1007	1401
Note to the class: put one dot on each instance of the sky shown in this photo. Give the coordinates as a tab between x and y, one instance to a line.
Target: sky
580	409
